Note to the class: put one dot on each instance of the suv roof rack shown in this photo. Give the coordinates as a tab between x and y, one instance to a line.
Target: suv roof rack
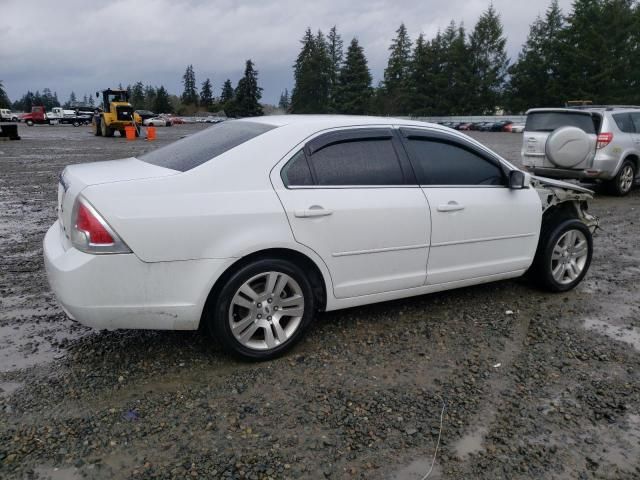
603	107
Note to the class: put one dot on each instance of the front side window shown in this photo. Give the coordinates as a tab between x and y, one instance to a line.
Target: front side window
439	162
365	161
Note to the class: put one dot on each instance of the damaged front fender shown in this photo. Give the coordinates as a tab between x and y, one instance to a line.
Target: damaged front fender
554	193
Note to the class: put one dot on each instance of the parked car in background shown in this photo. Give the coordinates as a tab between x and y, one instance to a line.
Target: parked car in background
588	144
7	115
157	122
213	119
464	126
146	114
250	227
499	126
514	128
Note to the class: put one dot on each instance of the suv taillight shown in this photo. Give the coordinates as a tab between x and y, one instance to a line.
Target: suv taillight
604	139
91	233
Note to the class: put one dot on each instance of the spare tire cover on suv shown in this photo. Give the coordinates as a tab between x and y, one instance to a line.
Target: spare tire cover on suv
568	146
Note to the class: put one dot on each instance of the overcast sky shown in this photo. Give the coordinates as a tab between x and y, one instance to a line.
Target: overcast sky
86	46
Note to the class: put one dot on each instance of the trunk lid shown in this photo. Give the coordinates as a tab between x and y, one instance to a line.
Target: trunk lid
76	178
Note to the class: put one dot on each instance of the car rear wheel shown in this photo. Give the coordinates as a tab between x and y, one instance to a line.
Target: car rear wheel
622	183
263	309
564	256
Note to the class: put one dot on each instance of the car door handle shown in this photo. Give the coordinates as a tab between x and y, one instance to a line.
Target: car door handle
313	211
450	207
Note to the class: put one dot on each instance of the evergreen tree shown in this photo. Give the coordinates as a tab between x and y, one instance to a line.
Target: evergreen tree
457	69
248	93
535	75
149	98
227	92
353	94
334	47
161	101
72	100
206	94
420	79
312	76
396	75
137	96
284	102
487	46
190	93
4	98
600	51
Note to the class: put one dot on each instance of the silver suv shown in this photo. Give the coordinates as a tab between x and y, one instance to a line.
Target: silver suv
589	144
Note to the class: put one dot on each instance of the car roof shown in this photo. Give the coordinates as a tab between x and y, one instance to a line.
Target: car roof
559	110
330	121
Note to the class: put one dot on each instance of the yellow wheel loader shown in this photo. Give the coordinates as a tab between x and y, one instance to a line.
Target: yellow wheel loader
114	113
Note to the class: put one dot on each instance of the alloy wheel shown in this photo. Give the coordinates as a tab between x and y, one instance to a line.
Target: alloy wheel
569	256
626	178
266	310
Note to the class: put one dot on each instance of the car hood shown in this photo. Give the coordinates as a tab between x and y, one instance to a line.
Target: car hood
550	182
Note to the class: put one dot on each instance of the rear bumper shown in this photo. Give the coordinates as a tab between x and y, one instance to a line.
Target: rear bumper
566	173
121	291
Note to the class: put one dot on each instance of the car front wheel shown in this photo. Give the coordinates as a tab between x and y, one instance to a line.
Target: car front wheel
263	309
563	256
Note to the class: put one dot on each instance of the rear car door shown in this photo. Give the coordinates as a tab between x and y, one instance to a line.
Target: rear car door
479	226
350	196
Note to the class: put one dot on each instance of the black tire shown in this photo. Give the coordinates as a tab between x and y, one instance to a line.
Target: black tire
122	133
76	124
106	131
541	270
30	123
218	314
619	185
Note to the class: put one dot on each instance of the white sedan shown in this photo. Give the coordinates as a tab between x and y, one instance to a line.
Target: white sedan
251	226
157	122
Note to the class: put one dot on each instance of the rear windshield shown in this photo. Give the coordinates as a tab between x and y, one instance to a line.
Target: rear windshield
549	121
201	147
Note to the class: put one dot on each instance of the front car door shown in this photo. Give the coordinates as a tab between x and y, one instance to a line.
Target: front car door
480	227
350	196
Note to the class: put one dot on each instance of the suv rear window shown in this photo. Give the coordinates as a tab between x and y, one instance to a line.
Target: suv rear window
201	147
549	121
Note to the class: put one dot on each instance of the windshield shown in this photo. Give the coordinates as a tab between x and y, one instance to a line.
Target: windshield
549	121
203	146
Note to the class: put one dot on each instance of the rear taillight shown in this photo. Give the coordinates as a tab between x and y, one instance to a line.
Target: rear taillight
91	233
604	139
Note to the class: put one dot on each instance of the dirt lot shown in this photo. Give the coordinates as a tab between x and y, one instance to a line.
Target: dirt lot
534	385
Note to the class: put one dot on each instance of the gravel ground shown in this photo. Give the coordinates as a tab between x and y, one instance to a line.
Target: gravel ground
533	385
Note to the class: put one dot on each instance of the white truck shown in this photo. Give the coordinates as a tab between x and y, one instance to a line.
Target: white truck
74	117
7	115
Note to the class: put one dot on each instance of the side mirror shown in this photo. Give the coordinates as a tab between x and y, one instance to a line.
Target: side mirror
519	180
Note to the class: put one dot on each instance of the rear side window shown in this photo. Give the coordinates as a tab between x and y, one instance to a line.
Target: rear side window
549	121
201	147
357	162
635	118
443	163
296	172
624	123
